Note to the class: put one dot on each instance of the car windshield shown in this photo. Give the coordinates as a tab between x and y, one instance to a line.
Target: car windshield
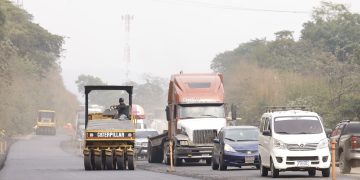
297	125
201	111
242	134
145	134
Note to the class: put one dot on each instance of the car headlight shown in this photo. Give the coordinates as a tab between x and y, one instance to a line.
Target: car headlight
323	144
229	148
279	144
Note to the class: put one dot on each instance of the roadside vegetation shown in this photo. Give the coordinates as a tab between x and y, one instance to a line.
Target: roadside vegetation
319	70
29	72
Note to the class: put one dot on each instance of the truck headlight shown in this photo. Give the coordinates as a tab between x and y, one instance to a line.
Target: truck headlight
229	148
184	143
323	144
144	144
279	144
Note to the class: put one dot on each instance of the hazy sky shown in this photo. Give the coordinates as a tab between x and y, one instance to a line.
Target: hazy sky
167	36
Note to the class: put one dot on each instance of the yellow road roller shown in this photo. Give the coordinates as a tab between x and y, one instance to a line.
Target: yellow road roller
109	136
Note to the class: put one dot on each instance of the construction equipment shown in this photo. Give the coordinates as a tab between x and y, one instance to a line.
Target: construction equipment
46	123
195	114
109	136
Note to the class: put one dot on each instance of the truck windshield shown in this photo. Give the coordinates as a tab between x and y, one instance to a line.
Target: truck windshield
297	125
46	116
201	111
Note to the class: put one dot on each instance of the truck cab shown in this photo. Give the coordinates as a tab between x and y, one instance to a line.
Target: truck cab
195	114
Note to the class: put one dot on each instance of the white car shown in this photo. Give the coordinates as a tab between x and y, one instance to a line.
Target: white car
293	140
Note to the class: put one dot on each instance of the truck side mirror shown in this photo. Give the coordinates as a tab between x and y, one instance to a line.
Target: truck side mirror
266	133
168	116
216	141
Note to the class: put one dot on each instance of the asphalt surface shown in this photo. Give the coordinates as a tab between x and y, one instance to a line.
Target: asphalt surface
57	158
43	157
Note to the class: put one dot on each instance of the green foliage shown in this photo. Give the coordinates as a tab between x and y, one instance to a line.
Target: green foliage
320	70
29	74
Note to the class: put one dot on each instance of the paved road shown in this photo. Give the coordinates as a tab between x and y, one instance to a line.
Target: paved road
49	157
201	171
40	157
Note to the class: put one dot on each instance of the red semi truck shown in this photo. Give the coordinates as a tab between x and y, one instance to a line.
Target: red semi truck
195	114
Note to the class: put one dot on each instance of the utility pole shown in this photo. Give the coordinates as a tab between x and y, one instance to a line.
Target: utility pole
127	18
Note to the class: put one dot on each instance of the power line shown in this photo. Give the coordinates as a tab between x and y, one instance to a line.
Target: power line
232	7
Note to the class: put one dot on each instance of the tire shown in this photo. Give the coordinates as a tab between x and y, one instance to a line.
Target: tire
166	159
89	162
150	156
274	171
120	162
312	172
110	162
214	165
263	170
344	166
131	162
222	165
99	162
325	172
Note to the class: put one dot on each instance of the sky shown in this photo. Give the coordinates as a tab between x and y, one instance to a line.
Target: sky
166	36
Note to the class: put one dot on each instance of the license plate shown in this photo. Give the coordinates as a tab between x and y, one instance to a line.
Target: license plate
303	163
249	159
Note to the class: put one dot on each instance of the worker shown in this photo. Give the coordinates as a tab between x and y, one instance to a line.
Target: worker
121	107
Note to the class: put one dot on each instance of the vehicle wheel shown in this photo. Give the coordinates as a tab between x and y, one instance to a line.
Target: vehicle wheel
166	158
344	166
110	162
312	172
214	165
120	162
208	161
177	161
99	162
150	153
325	172
222	165
131	162
274	171
263	170
89	162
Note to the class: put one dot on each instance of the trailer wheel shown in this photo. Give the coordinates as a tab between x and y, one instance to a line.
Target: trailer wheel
89	162
120	161
110	162
131	162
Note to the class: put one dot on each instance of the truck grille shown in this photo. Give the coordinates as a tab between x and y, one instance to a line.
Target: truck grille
302	147
204	136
